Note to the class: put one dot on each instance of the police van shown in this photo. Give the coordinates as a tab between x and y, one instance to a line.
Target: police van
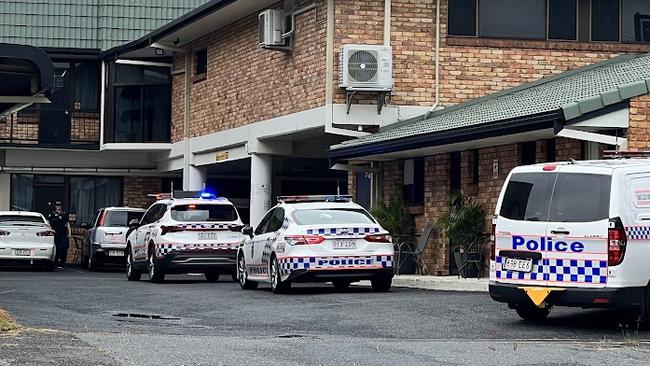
573	234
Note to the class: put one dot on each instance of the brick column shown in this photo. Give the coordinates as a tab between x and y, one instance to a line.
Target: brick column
638	134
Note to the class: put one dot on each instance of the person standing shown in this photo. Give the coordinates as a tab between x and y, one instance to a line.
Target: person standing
60	222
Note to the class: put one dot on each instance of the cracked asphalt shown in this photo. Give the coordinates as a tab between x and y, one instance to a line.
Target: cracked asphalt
70	317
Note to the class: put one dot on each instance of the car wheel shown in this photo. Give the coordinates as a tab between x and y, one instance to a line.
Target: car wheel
381	284
132	274
155	273
93	262
645	310
48	266
84	258
242	275
530	312
278	286
341	284
212	277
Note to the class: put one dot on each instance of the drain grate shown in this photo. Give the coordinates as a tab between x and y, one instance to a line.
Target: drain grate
145	316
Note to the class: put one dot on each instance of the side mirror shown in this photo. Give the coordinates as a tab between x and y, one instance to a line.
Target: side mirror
134	223
247	230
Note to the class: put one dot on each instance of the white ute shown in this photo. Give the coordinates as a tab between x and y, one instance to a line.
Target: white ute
573	234
316	239
26	237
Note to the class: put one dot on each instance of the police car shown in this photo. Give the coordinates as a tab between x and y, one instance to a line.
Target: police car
193	232
573	234
316	239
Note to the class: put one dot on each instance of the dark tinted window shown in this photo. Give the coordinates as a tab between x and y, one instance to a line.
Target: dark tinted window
604	20
527	196
276	221
86	86
264	222
414	182
580	198
636	21
121	218
154	213
205	212
562	19
512	18
528	152
332	216
201	59
5	219
462	17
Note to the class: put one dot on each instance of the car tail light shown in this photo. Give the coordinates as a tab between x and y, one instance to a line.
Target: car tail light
102	219
45	233
303	239
4	233
237	228
493	243
171	229
378	238
616	244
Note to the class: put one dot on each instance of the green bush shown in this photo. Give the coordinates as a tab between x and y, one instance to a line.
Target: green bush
393	215
463	222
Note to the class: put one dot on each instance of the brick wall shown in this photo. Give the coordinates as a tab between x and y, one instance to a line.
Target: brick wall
84	127
23	127
137	188
639	131
246	84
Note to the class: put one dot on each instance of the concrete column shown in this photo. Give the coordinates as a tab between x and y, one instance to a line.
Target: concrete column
194	177
261	175
5	195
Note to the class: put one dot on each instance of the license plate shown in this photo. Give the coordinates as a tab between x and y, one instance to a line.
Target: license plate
22	252
519	265
344	244
208	236
115	253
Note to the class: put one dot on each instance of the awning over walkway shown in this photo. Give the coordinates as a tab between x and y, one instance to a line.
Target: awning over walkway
26	77
574	104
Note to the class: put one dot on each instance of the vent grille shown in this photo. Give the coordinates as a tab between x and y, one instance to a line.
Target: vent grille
363	66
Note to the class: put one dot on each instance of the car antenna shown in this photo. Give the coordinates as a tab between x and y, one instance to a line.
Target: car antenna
573	161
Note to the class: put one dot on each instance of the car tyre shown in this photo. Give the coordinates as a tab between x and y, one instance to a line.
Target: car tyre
48	266
242	275
212	277
132	274
341	285
156	274
381	284
277	285
645	310
93	262
84	258
532	313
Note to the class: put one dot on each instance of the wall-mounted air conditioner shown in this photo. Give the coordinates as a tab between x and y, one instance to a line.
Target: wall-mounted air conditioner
270	24
366	67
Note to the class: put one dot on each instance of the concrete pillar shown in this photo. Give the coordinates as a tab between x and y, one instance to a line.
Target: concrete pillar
261	175
194	177
5	195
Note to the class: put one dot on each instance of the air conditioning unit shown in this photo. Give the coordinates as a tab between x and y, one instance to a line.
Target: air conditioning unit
270	23
366	67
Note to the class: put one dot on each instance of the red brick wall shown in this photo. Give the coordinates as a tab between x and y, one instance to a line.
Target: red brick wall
639	131
136	190
22	128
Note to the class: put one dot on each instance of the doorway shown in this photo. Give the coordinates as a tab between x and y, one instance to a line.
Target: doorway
54	122
47	190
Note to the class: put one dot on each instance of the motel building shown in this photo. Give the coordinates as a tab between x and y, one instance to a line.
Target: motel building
258	98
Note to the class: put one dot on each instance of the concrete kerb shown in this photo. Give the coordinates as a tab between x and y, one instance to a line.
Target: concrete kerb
438	283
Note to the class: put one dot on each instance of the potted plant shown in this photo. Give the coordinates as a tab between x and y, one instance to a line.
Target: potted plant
462	223
393	215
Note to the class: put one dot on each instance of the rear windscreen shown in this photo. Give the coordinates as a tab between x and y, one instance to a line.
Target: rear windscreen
332	216
21	219
204	213
564	197
121	218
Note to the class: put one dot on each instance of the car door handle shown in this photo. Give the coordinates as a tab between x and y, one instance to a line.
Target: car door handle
560	232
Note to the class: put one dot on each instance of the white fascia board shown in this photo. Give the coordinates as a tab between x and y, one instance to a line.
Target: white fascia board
170	165
148	147
58	159
616	119
593	137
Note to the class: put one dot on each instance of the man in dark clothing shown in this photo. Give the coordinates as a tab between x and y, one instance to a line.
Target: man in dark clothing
60	222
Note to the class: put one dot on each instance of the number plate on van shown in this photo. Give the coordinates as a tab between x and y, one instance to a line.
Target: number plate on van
519	265
208	236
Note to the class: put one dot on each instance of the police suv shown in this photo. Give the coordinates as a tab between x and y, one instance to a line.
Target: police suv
316	239
573	234
199	234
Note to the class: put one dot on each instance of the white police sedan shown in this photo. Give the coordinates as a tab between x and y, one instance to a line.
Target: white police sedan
316	239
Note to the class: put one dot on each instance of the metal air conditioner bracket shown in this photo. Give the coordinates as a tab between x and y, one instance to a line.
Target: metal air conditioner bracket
381	99
349	97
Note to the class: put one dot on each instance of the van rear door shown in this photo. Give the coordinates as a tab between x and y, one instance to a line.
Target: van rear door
521	226
578	225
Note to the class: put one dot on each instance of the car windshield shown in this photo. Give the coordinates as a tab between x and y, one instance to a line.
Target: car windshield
333	216
116	218
21	220
204	212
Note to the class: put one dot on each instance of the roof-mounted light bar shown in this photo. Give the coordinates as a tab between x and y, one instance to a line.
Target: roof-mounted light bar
186	194
316	198
625	154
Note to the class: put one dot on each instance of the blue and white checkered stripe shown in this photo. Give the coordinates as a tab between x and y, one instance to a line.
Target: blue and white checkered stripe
300	263
163	249
559	270
206	226
637	232
342	231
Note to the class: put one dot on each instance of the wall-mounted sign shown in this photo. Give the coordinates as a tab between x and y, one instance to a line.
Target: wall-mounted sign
495	169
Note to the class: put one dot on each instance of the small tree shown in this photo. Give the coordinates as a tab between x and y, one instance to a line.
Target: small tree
393	215
463	222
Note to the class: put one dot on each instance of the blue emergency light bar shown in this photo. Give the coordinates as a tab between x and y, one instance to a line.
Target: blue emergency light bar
316	198
185	194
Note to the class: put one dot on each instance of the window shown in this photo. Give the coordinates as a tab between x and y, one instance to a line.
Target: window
476	158
88	194
85	80
22	219
264	222
562	19
201	62
276	221
462	18
204	213
22	192
527	196
636	21
580	198
455	172
332	217
512	18
528	153
550	150
121	218
414	182
605	20
153	214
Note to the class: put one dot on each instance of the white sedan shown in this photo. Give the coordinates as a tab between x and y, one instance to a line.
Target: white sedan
26	237
316	239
